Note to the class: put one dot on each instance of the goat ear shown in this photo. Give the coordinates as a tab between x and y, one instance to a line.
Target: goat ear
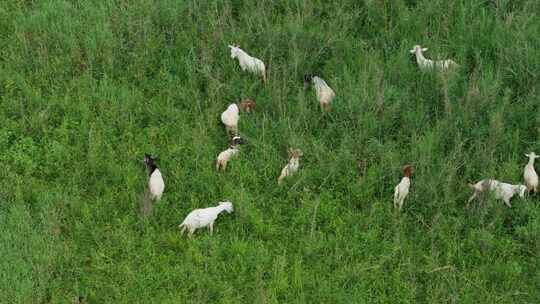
424	49
231	46
412	51
527	155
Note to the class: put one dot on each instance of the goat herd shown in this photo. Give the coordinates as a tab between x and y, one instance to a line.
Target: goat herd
200	218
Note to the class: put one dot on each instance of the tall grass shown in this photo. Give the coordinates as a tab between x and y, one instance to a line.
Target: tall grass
87	87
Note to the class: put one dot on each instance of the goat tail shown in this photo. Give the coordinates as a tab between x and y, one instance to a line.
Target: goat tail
471	186
262	68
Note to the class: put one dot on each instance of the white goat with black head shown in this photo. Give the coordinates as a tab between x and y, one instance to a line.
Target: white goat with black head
247	62
428	64
156	185
402	189
200	218
292	166
324	92
224	157
231	116
501	190
529	174
155	180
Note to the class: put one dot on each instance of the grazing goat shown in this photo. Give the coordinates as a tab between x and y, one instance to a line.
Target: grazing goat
428	64
224	157
529	174
231	116
251	64
325	94
501	190
292	166
200	218
402	189
155	184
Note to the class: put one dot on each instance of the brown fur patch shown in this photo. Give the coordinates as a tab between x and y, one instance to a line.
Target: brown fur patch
247	105
408	170
295	153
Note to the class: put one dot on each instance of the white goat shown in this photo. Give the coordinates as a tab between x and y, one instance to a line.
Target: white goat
402	189
325	94
231	115
428	64
230	118
251	64
529	174
224	157
292	166
155	185
200	218
155	180
501	190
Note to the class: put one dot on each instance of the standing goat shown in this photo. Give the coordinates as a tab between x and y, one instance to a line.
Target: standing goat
529	174
155	181
251	64
325	94
428	64
231	116
224	157
402	189
155	184
200	218
501	190
292	166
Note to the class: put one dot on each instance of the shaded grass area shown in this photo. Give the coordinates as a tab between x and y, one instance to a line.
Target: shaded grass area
87	87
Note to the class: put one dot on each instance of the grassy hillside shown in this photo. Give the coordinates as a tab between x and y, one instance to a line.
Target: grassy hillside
87	87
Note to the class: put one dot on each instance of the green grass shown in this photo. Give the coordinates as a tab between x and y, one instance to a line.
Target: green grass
87	87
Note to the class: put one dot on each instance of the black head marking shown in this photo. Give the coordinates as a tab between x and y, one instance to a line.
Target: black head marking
149	162
307	80
237	140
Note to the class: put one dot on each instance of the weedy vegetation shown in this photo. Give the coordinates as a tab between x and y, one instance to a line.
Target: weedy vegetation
88	87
